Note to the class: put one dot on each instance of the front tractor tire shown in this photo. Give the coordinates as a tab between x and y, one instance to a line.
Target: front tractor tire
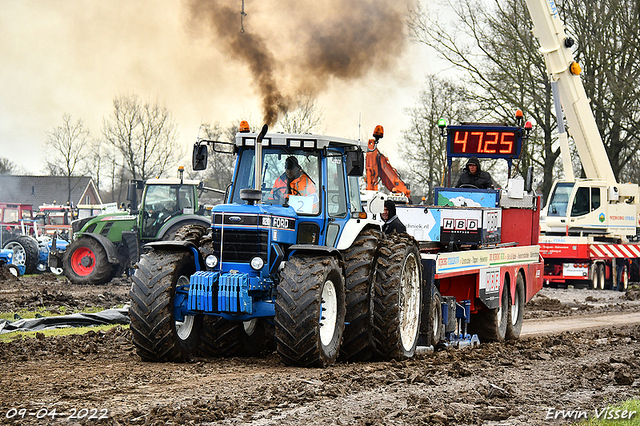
397	298
25	252
155	332
85	262
310	311
357	342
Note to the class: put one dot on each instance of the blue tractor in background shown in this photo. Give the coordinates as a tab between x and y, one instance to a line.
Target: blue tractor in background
308	273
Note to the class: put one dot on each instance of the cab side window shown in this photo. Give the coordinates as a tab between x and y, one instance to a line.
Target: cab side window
336	196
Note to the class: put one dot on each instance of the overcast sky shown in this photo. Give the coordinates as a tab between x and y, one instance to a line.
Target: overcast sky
74	57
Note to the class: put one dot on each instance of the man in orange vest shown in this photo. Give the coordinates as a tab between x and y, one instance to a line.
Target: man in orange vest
293	181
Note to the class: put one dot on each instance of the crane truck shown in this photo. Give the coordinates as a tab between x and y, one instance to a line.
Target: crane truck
590	224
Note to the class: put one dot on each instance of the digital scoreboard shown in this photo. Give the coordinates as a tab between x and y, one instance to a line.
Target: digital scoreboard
484	141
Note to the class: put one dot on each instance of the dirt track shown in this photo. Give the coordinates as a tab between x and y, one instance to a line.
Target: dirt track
513	383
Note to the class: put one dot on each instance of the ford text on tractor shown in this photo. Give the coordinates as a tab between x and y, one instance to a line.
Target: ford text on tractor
590	226
106	245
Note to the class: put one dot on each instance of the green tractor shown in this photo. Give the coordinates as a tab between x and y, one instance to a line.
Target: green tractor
105	246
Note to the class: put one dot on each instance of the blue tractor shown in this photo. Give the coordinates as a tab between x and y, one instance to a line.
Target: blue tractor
302	269
7	261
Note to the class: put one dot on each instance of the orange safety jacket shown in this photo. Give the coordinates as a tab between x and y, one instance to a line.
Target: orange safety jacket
302	185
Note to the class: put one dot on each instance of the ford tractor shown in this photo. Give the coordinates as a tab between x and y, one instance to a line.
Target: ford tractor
288	262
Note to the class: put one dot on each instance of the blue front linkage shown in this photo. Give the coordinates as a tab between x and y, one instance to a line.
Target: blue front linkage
222	294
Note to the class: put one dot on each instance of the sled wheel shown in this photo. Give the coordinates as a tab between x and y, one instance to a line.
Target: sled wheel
397	298
516	312
357	342
25	252
155	332
491	324
435	319
85	262
623	285
310	311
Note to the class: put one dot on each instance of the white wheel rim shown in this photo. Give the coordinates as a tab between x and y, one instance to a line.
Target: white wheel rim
19	254
625	279
436	323
57	271
14	271
409	302
184	327
328	312
515	310
250	326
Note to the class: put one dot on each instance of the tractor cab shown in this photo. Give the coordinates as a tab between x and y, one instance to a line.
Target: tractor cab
305	187
161	201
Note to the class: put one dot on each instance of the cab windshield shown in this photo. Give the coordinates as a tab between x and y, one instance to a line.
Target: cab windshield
559	200
289	178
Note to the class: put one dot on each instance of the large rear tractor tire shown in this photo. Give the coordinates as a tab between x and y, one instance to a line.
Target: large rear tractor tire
397	298
192	232
516	312
173	232
223	338
357	342
310	311
491	324
155	332
25	252
85	262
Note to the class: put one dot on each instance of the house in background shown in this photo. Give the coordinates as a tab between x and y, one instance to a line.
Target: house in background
40	190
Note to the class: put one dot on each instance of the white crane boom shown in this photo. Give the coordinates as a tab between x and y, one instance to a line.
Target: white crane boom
550	33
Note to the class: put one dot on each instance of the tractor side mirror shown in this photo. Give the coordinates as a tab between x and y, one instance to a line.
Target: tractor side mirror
132	196
200	155
355	163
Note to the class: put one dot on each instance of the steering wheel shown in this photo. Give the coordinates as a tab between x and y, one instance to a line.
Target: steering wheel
279	193
468	185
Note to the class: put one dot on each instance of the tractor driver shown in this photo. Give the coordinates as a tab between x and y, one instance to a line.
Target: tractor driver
473	176
294	181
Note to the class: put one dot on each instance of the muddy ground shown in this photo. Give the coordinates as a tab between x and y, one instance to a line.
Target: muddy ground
524	382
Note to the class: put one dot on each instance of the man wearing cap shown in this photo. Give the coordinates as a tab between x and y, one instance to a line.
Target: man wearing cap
391	221
474	176
294	181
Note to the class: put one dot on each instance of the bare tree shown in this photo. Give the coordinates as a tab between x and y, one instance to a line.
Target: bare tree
422	143
7	167
501	66
65	146
220	169
494	48
144	135
304	117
